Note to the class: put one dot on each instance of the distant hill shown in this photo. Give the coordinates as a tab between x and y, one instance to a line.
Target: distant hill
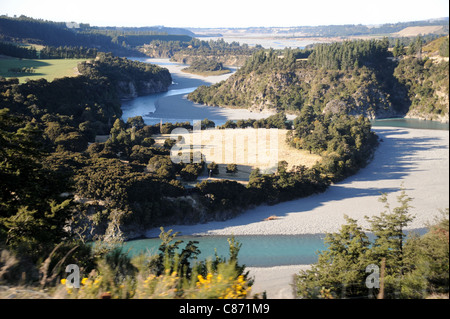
441	26
120	41
422	30
156	29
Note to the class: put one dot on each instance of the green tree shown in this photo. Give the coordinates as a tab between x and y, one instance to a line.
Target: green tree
162	166
414	266
398	49
205	124
418	45
213	168
191	171
390	239
32	212
72	141
341	268
426	261
232	168
136	122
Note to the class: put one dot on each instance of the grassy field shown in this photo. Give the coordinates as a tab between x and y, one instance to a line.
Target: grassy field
415	31
240	153
48	69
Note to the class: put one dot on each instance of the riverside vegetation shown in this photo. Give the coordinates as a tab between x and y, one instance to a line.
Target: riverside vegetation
412	267
173	273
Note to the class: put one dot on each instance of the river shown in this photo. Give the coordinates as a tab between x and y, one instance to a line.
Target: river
146	106
257	250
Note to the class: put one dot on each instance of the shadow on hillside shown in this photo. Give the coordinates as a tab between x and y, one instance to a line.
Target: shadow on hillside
7	65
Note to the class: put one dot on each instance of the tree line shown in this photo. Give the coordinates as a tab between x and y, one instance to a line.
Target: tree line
350	54
56	34
17	51
47	52
67	53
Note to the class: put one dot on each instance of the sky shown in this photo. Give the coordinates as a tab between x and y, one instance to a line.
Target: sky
229	13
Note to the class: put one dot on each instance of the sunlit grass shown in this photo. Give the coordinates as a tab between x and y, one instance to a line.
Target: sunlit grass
48	69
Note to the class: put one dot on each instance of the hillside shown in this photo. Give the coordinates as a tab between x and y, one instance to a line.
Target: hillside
437	48
119	41
357	77
415	31
427	82
130	78
284	83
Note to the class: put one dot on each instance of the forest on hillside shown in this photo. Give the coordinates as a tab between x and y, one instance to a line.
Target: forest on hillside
357	77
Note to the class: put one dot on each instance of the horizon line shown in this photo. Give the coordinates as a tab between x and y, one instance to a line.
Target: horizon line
15	16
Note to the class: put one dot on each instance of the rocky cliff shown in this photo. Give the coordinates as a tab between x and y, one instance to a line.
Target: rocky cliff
427	81
184	210
130	78
132	89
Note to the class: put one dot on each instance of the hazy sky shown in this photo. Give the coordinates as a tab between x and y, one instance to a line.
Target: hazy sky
229	13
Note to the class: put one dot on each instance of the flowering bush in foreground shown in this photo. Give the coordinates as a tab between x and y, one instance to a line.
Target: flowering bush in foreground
168	275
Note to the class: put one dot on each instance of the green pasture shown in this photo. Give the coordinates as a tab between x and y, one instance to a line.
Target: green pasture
48	69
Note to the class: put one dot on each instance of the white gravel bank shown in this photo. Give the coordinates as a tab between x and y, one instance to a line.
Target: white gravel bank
416	159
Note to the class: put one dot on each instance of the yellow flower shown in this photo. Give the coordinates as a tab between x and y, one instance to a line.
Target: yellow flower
63	281
83	281
200	279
